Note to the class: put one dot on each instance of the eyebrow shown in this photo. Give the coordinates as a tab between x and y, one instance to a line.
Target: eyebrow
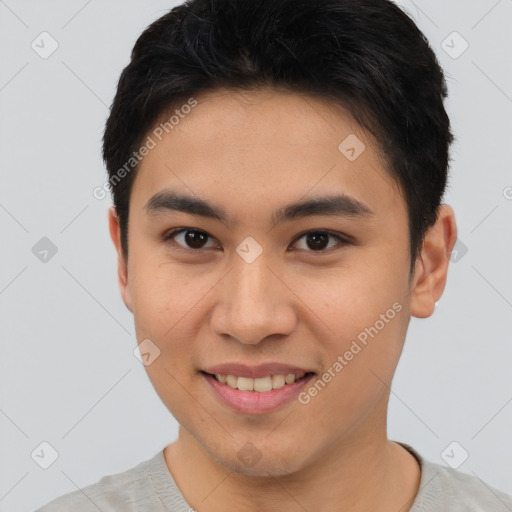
341	205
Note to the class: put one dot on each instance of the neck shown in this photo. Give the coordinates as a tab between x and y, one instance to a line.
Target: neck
367	473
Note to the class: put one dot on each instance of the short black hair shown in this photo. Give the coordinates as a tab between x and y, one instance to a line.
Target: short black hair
366	55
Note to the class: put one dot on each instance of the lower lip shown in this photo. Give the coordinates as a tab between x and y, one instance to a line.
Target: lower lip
253	402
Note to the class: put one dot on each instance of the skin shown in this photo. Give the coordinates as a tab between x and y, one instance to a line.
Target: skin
252	153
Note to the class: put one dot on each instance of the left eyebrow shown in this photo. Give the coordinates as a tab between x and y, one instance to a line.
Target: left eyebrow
341	205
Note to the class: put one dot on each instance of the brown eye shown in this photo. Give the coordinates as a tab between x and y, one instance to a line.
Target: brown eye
195	239
189	238
318	241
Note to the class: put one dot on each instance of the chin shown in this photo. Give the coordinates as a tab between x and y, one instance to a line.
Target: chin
248	460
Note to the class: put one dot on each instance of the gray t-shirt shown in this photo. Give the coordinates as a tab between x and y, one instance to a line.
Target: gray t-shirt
149	487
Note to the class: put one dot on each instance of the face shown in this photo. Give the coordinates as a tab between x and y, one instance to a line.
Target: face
262	249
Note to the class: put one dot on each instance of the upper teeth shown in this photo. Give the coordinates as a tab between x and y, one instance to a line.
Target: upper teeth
261	384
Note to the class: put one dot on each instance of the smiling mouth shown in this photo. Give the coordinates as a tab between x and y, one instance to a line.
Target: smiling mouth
259	385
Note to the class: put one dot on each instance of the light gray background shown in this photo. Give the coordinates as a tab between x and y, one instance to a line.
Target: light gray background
68	373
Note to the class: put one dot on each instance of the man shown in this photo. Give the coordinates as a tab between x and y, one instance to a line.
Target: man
277	169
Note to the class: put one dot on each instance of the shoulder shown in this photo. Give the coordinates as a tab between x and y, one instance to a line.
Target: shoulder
459	491
115	492
444	488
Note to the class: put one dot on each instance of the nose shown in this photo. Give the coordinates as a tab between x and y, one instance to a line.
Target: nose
254	303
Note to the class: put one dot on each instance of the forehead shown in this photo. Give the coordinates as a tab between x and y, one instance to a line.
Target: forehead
263	147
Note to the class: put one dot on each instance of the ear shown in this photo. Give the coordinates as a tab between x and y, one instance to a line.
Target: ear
122	267
432	264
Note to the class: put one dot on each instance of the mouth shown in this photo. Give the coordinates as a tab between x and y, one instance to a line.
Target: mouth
261	384
256	395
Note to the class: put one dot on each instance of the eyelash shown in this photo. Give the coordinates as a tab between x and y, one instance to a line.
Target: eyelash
168	237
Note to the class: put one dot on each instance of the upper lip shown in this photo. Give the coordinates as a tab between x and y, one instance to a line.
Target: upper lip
255	372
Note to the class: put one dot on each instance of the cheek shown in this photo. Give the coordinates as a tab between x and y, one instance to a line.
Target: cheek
360	364
366	315
166	301
351	298
169	306
161	292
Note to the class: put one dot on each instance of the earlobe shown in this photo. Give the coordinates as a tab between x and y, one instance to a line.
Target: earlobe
432	264
122	267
